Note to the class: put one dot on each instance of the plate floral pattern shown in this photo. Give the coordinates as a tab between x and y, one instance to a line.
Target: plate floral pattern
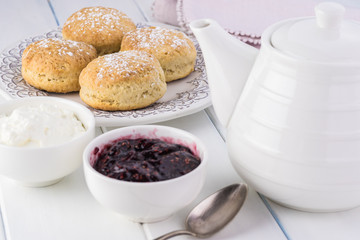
184	96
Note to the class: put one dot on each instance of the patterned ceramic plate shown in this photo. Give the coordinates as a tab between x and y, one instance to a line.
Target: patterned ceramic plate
183	97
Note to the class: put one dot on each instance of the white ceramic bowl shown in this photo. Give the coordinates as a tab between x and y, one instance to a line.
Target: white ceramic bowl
146	201
41	166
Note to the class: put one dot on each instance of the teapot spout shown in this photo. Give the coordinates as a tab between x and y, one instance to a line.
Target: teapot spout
228	63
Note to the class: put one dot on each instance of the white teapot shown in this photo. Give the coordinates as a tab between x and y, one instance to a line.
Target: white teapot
292	108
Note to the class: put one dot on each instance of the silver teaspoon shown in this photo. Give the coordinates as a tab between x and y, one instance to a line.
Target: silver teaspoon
213	213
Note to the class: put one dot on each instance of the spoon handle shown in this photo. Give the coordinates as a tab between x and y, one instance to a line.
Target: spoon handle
175	233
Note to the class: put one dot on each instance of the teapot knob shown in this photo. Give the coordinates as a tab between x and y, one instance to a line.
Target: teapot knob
329	15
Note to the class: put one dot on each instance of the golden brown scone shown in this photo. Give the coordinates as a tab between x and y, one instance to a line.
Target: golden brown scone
54	65
174	50
122	81
101	27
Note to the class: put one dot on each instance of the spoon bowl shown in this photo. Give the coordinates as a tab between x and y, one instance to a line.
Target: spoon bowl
213	213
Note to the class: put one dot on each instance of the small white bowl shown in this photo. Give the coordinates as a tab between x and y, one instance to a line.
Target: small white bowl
42	166
146	201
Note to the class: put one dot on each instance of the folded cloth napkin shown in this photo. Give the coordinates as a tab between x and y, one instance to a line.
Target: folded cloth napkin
246	19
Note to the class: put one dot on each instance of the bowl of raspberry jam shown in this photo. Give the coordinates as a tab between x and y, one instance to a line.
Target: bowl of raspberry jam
146	172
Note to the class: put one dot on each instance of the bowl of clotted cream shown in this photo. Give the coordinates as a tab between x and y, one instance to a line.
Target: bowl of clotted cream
42	139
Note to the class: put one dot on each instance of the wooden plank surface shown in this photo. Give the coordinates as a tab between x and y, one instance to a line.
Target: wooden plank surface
21	19
330	226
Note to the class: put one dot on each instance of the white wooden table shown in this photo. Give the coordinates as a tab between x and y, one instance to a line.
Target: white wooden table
67	210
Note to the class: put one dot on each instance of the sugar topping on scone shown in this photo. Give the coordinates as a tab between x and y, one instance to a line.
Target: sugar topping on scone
174	50
101	27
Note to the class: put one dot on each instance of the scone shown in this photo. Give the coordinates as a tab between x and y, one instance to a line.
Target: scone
122	81
174	50
101	27
54	65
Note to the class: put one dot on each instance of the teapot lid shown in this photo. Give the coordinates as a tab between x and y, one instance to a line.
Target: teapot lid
326	38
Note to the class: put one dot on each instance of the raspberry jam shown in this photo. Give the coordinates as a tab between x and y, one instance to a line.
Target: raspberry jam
144	160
